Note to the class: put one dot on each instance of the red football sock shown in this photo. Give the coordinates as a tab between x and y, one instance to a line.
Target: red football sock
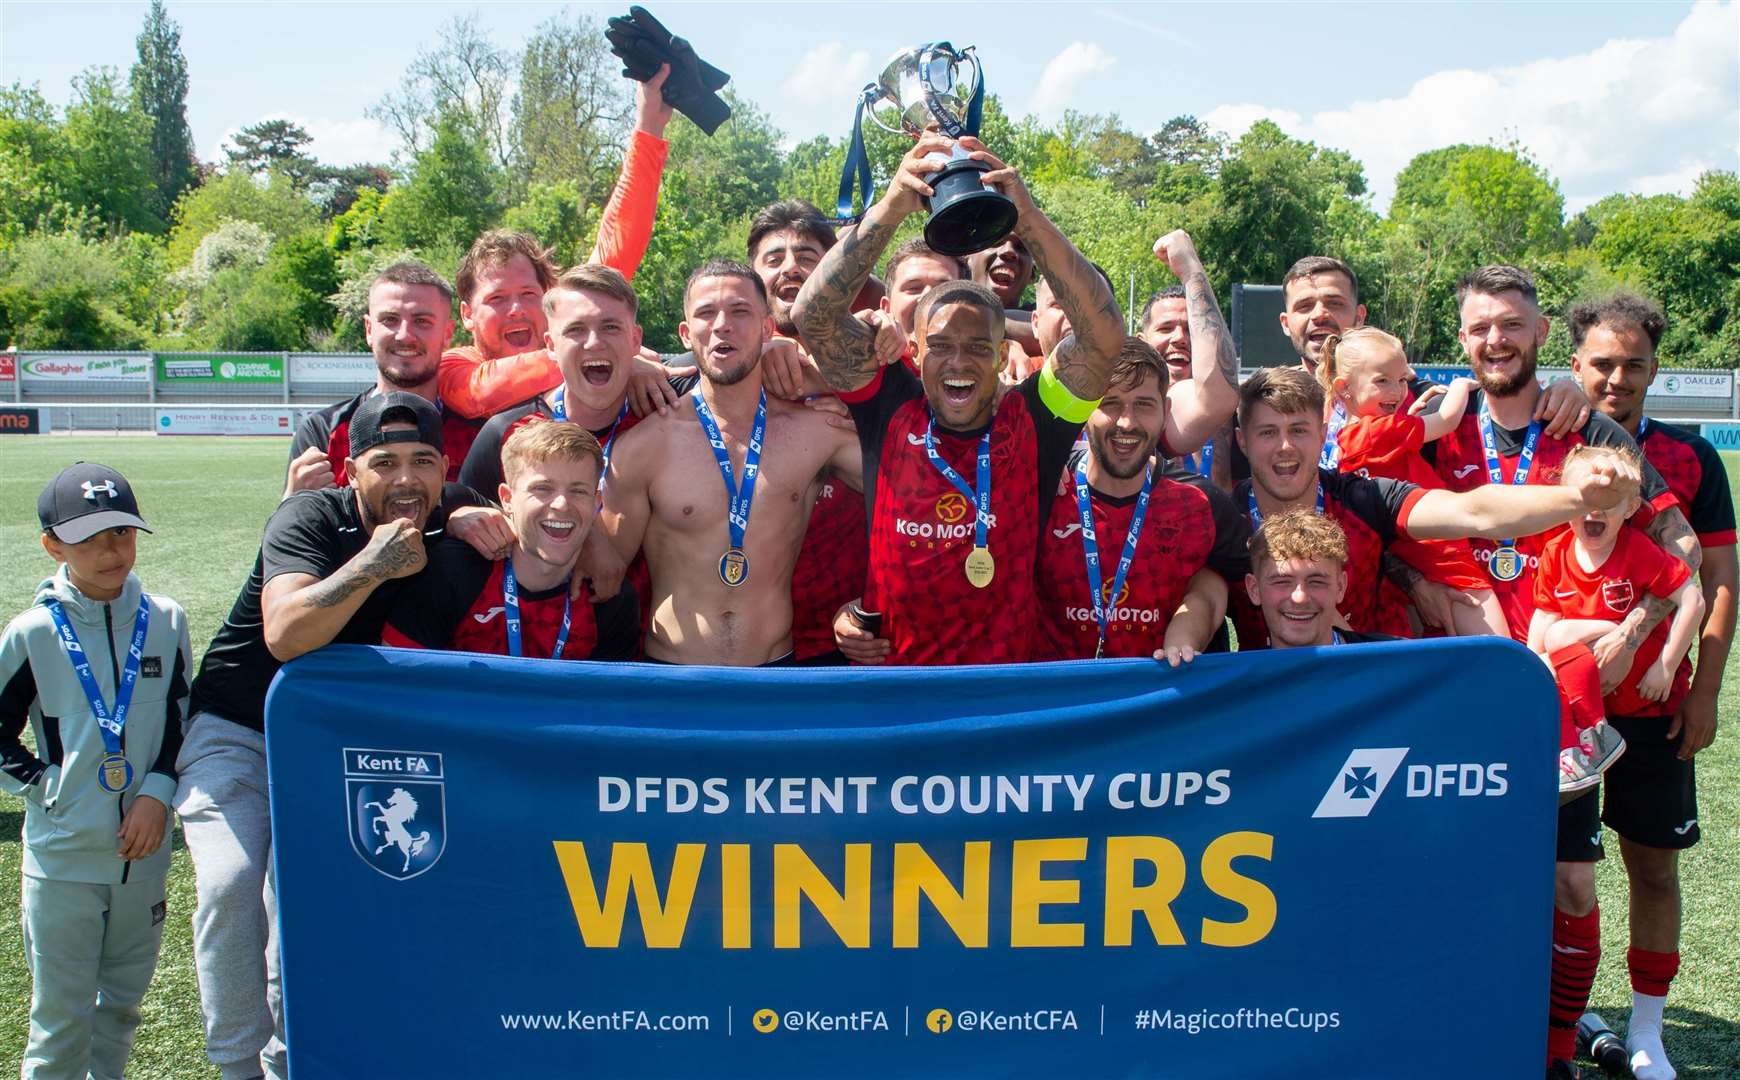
1652	971
1576	954
1579	679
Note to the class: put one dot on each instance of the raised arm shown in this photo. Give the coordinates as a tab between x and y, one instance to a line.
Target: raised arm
1497	512
1082	362
1450	410
1197	409
625	227
844	348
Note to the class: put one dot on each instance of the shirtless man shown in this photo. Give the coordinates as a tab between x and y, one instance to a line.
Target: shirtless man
721	570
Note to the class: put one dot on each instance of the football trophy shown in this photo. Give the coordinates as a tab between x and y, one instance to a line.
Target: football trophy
934	86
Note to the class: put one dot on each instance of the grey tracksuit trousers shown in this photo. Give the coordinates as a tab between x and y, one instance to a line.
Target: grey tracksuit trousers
225	817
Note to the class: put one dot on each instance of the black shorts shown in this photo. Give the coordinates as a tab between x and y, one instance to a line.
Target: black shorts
1580	829
831	658
1652	796
783	660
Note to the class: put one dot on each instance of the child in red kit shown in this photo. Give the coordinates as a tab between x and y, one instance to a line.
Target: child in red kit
1592	578
1365	375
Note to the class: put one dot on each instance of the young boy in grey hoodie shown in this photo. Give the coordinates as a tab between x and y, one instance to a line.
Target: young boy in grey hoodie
99	669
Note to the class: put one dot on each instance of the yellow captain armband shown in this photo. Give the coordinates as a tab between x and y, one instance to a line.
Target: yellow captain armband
1063	404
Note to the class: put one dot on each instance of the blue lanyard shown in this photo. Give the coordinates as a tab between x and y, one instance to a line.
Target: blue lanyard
1091	545
111	724
1330	458
1257	515
559	411
1335	637
1642	426
1495	471
510	599
741	499
981	498
1205	461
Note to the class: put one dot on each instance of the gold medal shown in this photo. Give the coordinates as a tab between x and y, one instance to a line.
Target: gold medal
981	568
114	773
734	568
1506	564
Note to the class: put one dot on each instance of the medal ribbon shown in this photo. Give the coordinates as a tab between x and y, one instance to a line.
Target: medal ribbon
981	499
1205	460
1331	456
510	599
559	411
741	499
1494	470
1091	545
113	723
1257	515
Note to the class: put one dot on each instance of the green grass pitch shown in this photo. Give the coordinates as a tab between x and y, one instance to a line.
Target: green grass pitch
209	498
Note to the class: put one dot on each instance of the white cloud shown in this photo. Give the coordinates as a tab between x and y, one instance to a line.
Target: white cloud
828	73
1630	115
334	142
1064	74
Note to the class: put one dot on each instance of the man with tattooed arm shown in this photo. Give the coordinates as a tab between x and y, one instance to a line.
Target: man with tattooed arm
329	566
958	466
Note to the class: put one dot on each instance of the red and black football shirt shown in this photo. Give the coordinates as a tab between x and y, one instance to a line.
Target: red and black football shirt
1461	461
457	604
922	528
329	429
1187	528
1635	567
830	567
1373	512
1695	474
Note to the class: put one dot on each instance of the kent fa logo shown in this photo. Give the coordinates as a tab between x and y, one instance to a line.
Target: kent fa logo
396	807
1360	781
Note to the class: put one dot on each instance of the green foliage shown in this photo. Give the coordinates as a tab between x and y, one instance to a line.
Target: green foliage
275	205
158	83
109	141
735	172
64	291
36	166
449	196
557	215
684	235
570	114
273	145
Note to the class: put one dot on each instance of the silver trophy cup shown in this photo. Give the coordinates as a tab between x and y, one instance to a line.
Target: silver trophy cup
938	86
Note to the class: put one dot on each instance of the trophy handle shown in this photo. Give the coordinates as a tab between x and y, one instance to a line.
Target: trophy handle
868	97
975	91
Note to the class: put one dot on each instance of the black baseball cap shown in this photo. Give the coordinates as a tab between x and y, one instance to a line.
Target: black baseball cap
84	500
393	407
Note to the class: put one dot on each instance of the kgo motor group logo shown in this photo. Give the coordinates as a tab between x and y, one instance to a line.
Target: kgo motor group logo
954	521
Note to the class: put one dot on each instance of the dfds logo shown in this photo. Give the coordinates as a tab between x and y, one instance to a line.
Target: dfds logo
1366	774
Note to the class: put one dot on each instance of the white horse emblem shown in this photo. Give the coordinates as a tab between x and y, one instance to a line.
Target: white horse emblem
390	823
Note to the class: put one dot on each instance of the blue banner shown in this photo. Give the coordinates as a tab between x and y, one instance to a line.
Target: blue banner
1295	860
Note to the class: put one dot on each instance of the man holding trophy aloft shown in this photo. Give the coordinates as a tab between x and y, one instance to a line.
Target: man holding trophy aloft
958	467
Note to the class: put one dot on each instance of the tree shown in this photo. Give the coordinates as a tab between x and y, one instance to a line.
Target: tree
467	79
1271	204
36	167
450	195
571	113
736	171
1188	155
273	145
159	85
63	291
109	142
274	205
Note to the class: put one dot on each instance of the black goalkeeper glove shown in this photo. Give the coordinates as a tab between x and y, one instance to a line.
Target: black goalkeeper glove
643	43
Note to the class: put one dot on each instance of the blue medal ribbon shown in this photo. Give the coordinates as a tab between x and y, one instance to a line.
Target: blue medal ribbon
1494	470
1330	458
1204	461
1091	546
981	497
111	723
559	411
857	167
742	499
1642	426
510	599
1257	515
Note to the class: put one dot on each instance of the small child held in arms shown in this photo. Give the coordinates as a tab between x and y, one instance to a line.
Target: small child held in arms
1365	376
1592	577
99	669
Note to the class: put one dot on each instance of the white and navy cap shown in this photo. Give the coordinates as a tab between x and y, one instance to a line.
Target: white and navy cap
84	500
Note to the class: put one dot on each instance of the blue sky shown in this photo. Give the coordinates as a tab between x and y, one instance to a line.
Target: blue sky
1610	96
